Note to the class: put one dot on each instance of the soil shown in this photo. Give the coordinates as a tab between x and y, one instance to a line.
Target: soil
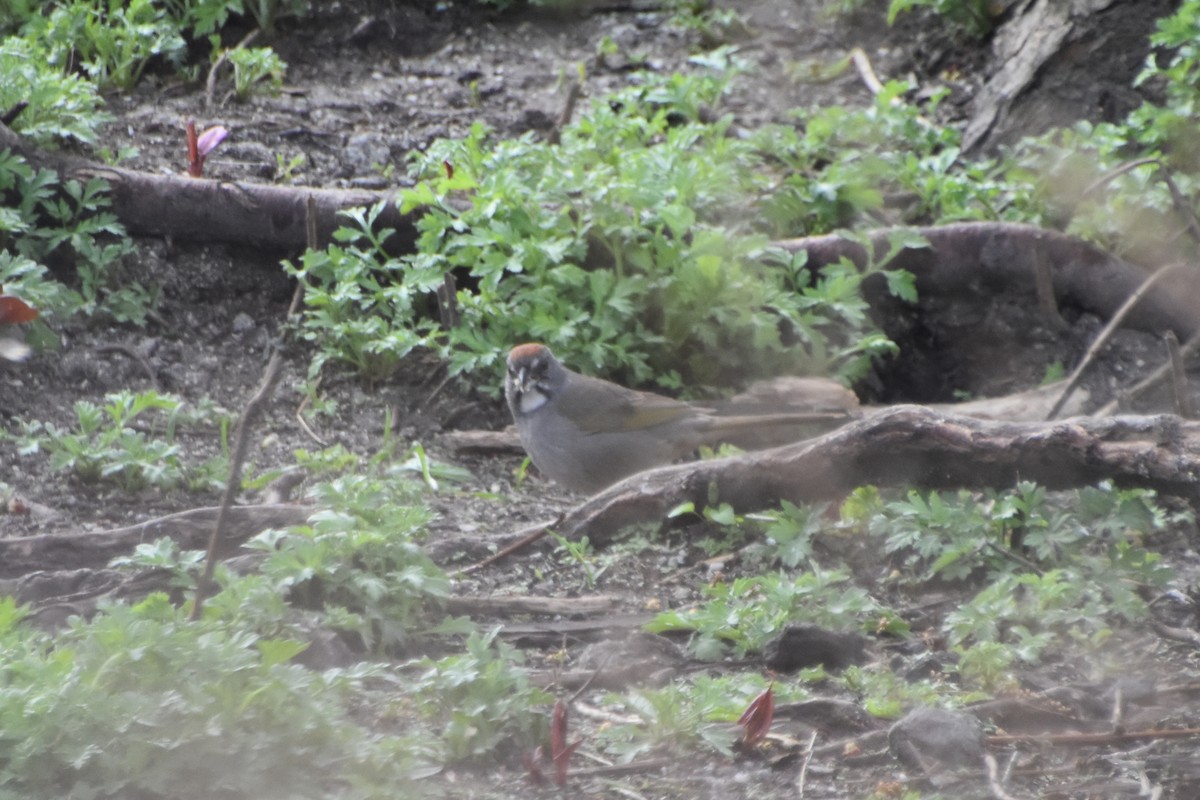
367	83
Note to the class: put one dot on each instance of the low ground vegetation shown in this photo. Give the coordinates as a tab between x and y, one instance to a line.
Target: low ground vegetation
639	244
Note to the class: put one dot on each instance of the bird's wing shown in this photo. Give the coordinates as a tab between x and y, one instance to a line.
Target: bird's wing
623	409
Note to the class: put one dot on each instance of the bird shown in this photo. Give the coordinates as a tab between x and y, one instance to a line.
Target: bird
586	433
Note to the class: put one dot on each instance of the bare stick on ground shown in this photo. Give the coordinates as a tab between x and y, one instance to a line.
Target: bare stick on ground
1150	381
1106	335
527	537
1179	381
237	460
241	439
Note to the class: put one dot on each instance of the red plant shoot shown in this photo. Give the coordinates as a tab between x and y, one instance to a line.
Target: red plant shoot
533	766
560	751
756	719
199	147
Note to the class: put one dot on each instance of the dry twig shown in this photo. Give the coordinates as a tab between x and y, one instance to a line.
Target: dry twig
808	754
532	534
1106	335
1190	348
210	85
241	439
1179	382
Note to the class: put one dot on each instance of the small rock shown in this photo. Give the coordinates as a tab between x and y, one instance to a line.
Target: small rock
928	739
801	646
367	152
243	323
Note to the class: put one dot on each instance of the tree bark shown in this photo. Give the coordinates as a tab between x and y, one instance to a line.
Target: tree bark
190	530
983	259
257	215
911	446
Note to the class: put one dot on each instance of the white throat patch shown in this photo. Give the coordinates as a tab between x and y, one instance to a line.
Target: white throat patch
531	401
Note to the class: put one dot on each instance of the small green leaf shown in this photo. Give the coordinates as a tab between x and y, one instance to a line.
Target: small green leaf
279	651
902	283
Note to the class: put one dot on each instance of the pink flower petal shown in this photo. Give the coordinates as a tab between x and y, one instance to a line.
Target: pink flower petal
209	140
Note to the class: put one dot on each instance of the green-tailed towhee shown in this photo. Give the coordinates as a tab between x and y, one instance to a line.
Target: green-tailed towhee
587	433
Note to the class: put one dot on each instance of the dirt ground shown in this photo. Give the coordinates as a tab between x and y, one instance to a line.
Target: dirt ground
368	82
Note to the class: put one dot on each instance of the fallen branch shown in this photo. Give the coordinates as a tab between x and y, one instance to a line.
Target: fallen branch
1152	380
911	446
551	634
254	409
982	259
524	538
507	606
190	530
258	215
1090	739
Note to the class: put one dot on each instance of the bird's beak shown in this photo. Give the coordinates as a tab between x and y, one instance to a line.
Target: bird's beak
523	380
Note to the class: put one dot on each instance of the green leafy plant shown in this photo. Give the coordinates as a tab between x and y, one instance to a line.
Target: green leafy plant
254	67
1054	571
286	168
267	12
988	665
1030	612
332	460
842	160
669	719
65	223
640	215
112	42
886	695
164	554
789	532
965	534
360	307
656	255
580	553
747	612
432	473
637	245
715	26
1101	579
480	699
60	106
202	17
105	447
730	530
359	561
140	702
686	714
206	16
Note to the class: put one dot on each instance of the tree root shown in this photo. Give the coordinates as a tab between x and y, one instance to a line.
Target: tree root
911	446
